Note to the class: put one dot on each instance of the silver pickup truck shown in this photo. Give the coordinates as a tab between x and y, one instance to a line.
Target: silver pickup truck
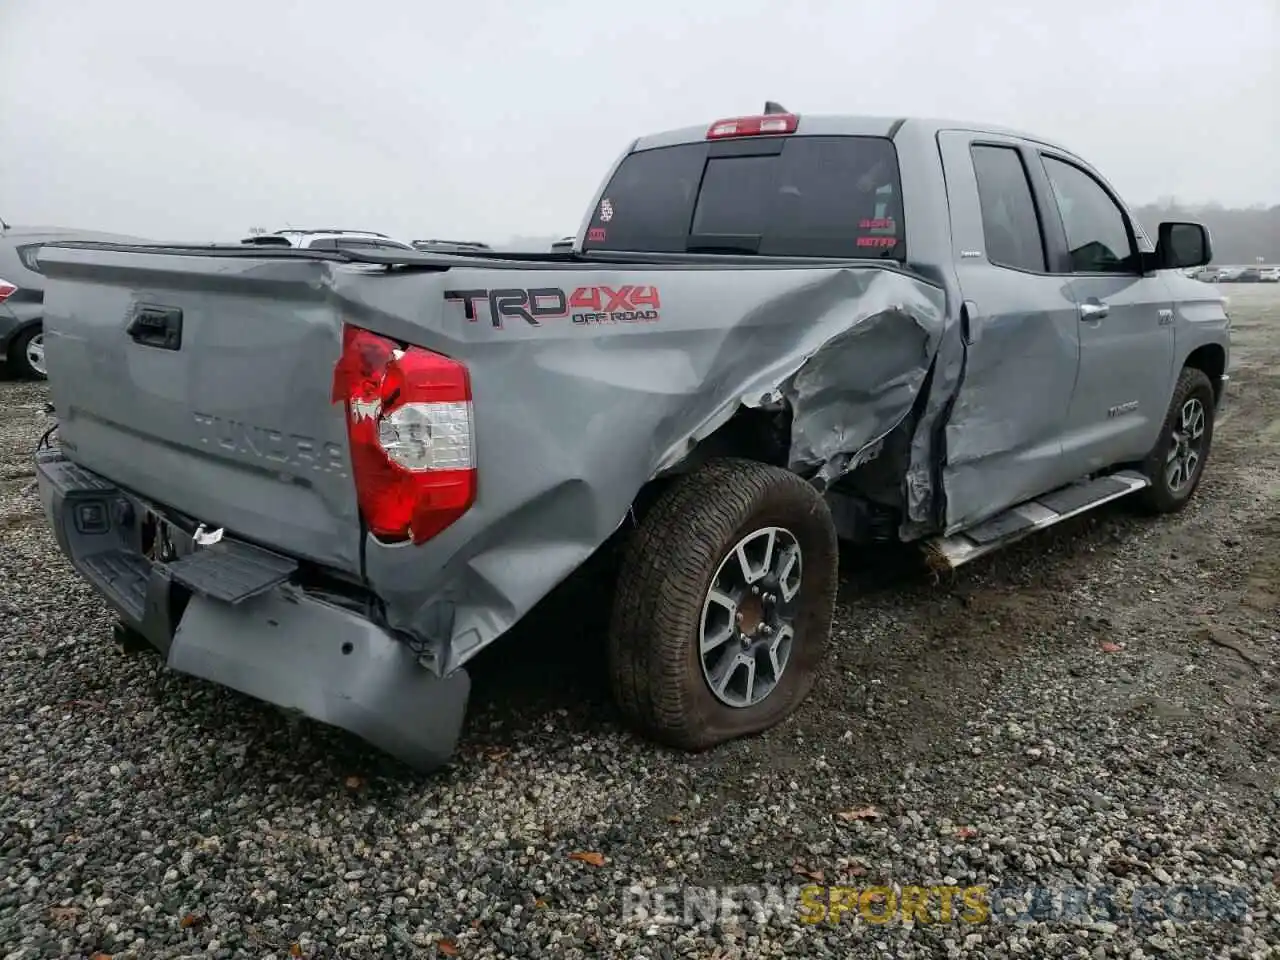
330	478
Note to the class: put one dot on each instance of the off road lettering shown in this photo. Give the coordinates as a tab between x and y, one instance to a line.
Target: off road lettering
628	303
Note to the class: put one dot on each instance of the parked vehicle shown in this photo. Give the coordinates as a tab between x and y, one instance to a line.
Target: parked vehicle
22	293
563	245
1249	275
450	246
1269	275
327	239
365	466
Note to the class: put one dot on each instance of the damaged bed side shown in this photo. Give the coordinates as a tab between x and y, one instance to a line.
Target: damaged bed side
844	356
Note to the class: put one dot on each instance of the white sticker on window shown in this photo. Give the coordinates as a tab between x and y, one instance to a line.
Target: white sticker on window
606	210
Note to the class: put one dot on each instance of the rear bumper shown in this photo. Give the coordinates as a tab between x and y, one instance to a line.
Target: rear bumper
231	613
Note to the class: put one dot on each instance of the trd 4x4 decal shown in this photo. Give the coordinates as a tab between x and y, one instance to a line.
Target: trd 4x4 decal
585	305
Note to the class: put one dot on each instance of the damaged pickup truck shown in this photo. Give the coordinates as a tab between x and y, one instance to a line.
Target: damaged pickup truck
330	478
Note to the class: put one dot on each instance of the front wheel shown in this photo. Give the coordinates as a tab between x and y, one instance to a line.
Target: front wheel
723	606
1177	462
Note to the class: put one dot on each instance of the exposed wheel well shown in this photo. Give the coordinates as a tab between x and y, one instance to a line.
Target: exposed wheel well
1211	360
750	434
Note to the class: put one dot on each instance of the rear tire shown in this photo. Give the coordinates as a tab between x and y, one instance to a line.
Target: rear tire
1177	462
26	354
692	667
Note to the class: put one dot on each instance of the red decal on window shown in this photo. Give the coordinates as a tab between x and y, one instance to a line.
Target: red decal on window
877	241
595	233
879	223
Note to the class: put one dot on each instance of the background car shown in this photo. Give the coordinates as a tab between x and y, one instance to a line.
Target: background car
328	239
22	293
1269	275
451	246
1249	275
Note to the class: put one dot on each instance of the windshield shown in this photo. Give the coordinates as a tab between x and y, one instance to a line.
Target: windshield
792	196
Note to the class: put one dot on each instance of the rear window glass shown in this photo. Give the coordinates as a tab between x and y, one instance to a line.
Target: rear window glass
809	196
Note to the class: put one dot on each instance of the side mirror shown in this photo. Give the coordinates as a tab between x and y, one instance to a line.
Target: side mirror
1182	245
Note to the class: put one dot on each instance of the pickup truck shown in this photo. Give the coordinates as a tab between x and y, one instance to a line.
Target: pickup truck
330	478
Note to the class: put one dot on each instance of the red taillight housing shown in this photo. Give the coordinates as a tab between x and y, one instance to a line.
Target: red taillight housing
409	420
764	125
7	290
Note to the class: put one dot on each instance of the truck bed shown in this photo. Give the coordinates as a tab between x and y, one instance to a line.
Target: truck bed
591	374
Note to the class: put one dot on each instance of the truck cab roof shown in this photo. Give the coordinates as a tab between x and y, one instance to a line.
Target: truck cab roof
847	125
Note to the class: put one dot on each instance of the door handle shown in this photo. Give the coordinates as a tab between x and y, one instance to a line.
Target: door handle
159	327
1093	309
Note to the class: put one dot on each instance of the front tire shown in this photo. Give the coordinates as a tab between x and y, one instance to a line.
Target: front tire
1177	462
26	354
724	604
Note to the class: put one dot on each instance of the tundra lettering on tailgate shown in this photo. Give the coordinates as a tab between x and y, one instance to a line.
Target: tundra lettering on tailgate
273	446
584	305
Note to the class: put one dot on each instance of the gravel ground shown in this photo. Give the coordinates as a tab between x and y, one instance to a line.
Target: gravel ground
1093	709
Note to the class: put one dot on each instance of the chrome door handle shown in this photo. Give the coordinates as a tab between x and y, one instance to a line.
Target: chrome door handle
1093	310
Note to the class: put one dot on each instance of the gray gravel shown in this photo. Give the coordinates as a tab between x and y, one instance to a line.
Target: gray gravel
1097	708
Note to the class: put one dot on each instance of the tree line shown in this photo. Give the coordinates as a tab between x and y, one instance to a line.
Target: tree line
1241	235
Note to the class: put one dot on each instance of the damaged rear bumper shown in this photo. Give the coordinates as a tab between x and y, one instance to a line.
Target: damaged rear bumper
232	613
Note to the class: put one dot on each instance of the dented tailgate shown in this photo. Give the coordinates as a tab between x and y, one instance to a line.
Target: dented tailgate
203	383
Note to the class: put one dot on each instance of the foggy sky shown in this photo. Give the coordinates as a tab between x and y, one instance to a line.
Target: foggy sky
186	120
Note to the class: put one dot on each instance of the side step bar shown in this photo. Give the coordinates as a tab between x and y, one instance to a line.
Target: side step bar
947	553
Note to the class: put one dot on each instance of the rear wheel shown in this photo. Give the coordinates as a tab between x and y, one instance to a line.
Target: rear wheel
26	354
1177	462
724	605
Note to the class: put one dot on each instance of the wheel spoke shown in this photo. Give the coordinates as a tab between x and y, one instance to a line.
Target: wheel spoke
751	678
786	587
776	653
748	575
721	599
1173	474
724	672
771	538
1197	425
717	639
1192	459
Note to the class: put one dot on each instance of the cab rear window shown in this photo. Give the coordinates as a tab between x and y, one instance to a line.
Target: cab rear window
783	196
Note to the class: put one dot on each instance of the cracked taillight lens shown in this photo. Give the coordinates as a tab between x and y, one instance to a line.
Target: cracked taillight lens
410	425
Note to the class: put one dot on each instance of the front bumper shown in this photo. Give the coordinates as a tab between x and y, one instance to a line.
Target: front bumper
234	614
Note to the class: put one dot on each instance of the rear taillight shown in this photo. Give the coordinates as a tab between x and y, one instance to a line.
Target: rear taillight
410	425
7	290
769	123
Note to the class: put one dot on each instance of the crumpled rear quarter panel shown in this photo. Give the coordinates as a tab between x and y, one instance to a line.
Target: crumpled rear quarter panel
572	419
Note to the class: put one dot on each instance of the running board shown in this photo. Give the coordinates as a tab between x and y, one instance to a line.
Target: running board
947	553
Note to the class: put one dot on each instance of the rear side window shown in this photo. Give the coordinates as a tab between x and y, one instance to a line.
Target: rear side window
1009	221
794	196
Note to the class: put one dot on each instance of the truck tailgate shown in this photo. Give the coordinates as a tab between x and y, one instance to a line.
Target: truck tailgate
203	383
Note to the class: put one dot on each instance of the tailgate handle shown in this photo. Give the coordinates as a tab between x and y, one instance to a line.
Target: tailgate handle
159	327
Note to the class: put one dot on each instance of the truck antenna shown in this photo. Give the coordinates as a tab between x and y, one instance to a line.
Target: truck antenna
770	107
